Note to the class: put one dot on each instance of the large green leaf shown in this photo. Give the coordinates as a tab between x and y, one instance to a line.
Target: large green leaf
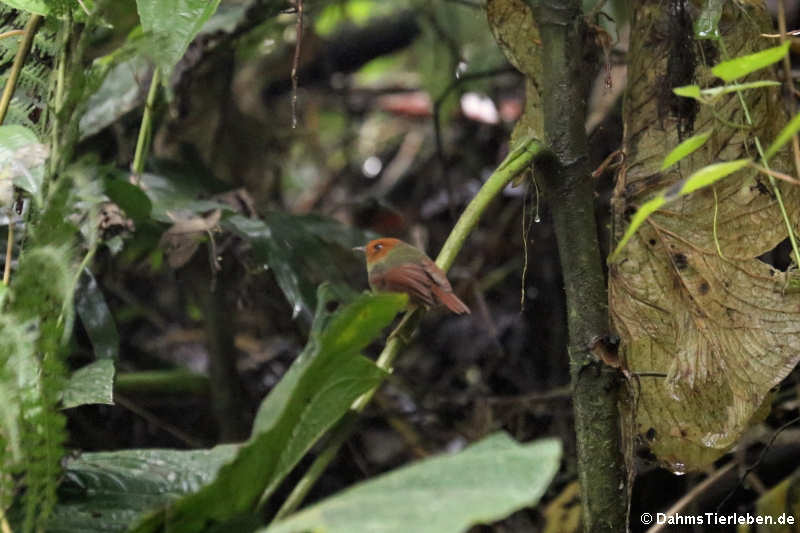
484	483
317	391
96	317
302	251
94	383
170	25
105	492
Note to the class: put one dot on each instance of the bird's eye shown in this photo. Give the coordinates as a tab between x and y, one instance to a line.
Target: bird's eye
378	247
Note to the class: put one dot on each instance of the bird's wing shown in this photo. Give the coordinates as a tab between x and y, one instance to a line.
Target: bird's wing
410	278
442	290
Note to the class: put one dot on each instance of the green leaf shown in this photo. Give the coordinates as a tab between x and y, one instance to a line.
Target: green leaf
484	483
702	178
708	175
105	492
22	158
96	317
707	24
688	91
302	251
31	6
744	65
94	383
685	148
316	392
707	96
172	196
170	25
788	131
119	93
130	198
647	209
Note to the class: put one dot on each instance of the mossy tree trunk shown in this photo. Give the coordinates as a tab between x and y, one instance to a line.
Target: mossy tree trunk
558	77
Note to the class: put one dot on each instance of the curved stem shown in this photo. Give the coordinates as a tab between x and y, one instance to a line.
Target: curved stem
16	68
516	161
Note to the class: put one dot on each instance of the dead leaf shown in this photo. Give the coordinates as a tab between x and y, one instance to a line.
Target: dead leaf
720	327
181	241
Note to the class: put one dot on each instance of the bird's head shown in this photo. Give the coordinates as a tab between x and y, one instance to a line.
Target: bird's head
377	249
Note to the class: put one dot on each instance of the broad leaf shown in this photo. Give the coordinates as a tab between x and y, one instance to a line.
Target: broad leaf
689	296
96	317
302	251
91	384
317	391
104	492
482	484
171	25
744	65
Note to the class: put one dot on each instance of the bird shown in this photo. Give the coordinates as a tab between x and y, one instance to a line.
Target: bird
396	266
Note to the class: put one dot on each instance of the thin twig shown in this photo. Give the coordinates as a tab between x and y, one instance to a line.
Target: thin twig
698	489
16	67
775	174
758	461
9	252
296	61
161	424
11	33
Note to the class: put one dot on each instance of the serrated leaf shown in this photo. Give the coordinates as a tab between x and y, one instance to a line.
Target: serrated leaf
170	25
92	384
790	129
744	65
317	391
685	148
484	483
96	317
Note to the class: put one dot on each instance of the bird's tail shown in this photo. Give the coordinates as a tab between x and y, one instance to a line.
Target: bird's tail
451	301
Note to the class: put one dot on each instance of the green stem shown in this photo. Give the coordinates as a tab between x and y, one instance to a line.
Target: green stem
516	161
162	382
143	142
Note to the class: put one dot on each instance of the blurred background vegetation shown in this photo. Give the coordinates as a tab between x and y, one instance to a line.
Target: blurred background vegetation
402	110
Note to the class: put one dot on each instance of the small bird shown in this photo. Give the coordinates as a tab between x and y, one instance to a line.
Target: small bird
396	266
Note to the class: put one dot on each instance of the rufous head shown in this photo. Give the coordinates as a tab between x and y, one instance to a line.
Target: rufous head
377	249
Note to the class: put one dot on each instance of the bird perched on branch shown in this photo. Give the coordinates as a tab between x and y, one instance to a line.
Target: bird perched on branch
396	266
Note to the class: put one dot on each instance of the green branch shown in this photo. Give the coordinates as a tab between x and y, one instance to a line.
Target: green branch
517	161
145	130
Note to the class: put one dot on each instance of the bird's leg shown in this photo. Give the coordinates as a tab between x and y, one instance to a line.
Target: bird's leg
398	331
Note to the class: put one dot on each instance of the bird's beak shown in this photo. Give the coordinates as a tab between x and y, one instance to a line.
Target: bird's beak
362	249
